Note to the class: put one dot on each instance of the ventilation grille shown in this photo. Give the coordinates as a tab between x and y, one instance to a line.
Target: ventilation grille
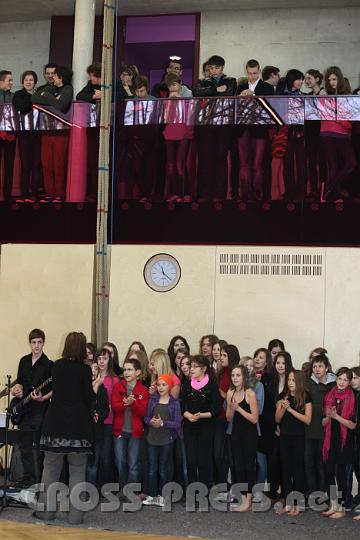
271	264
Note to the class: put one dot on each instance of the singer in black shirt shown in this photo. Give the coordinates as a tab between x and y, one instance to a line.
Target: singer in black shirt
34	369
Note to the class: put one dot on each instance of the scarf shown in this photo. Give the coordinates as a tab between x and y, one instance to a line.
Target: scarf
344	403
197	385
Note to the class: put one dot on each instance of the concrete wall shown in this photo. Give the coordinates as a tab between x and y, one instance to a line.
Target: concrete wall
24	45
300	38
294	38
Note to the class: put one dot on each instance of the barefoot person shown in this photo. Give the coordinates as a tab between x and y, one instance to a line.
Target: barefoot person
242	411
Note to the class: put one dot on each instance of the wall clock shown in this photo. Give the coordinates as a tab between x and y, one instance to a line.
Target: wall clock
162	272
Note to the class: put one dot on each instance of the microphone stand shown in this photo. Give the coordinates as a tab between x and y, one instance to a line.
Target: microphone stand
5	499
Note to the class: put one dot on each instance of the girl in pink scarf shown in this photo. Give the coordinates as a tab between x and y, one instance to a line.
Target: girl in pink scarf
339	406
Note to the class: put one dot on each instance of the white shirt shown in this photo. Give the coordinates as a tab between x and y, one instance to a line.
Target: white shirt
252	86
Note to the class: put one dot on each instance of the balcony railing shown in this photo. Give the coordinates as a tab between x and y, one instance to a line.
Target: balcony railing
139	151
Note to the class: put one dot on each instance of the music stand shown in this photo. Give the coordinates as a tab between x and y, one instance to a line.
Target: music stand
9	436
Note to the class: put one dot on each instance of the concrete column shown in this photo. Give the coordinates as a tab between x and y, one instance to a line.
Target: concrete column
83	41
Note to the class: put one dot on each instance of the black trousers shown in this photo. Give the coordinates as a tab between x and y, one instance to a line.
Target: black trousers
198	438
31	456
314	466
295	165
244	455
213	144
7	149
292	448
30	157
340	160
274	468
336	475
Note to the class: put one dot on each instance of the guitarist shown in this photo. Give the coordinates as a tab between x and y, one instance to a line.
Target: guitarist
34	369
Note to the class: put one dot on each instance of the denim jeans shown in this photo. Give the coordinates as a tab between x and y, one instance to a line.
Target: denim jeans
221	454
159	457
93	465
348	498
106	461
180	463
127	457
261	464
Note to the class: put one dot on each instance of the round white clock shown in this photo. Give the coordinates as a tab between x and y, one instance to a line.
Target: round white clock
162	272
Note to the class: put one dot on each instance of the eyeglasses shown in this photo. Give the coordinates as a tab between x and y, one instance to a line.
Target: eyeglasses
129	369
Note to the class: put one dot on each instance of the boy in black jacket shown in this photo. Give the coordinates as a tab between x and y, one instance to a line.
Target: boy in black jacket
213	140
253	141
320	382
91	93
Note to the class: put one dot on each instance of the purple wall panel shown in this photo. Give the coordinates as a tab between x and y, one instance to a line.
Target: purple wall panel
152	57
157	29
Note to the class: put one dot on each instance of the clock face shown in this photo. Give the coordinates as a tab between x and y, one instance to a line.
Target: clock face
162	272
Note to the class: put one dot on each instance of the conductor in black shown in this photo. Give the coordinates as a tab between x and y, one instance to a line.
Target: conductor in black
34	369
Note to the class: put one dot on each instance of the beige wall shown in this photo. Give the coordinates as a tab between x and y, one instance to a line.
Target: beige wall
42	286
305	311
50	286
287	38
139	313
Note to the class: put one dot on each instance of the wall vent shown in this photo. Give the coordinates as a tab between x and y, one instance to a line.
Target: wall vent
271	264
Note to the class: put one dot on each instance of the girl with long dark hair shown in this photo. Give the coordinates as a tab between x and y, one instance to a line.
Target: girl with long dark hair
242	411
176	343
106	465
275	346
282	367
293	412
111	347
335	137
229	358
294	159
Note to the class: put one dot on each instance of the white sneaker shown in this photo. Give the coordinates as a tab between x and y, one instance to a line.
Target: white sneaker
159	501
222	497
225	497
149	501
258	497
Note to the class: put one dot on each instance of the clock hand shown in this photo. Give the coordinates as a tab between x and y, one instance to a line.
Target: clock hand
163	273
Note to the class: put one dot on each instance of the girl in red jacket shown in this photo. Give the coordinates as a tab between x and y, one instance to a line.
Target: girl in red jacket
129	403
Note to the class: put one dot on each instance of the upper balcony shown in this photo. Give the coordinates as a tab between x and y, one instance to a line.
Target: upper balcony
234	169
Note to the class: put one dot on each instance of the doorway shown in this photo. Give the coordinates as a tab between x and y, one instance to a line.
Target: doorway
149	42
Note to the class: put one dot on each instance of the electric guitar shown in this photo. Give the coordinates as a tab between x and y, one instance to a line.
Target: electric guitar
17	407
5	391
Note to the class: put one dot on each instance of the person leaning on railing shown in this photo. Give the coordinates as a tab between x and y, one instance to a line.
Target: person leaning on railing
295	178
91	93
55	144
29	139
213	142
7	140
335	139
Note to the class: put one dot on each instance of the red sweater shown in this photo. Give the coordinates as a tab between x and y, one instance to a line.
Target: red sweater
138	408
224	385
338	127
